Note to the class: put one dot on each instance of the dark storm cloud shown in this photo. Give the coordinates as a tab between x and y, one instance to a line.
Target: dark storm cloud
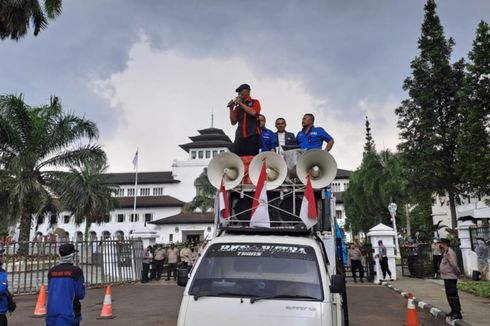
343	51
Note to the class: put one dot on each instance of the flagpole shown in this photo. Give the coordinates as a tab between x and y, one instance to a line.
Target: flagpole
135	188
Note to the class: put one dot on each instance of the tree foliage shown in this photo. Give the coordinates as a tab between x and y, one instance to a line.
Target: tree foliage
87	193
16	16
372	187
429	120
474	136
36	144
206	194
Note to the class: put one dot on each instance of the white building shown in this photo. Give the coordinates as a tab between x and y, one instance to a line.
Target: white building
160	200
471	213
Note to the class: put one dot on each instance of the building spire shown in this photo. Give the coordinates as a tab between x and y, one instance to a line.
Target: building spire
212	117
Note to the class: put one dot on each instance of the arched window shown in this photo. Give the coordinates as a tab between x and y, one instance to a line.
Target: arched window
79	236
106	235
93	235
119	235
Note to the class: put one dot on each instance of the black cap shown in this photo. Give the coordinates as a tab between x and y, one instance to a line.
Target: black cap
444	240
242	87
67	249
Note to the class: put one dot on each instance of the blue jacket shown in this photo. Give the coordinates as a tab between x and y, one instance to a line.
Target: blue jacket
313	139
268	140
4	284
65	290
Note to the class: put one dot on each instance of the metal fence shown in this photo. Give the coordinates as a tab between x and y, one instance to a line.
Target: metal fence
108	261
479	232
417	260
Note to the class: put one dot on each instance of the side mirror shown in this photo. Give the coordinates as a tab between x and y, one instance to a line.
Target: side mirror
337	284
182	276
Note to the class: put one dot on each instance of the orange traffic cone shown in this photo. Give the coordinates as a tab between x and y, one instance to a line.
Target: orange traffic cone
106	312
412	317
40	310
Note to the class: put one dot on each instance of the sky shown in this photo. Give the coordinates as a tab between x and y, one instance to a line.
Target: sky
150	73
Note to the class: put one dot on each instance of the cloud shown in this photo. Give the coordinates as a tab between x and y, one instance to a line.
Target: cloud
347	57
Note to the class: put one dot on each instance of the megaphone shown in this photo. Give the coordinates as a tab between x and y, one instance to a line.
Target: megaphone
228	167
276	169
321	166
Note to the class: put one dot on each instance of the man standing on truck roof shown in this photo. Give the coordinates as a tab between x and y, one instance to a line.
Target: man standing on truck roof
311	137
284	138
244	111
268	139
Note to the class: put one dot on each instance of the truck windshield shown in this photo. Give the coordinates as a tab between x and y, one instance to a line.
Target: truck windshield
259	270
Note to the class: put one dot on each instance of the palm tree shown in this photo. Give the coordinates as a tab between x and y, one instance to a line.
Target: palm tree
88	194
17	15
36	143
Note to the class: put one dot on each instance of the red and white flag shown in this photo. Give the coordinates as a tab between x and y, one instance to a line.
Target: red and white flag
308	212
260	207
224	212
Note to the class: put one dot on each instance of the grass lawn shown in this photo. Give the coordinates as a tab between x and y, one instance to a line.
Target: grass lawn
480	288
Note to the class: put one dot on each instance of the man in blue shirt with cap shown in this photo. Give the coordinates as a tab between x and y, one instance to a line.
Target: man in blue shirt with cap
312	137
66	287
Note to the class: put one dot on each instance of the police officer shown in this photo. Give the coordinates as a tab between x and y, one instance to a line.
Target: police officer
268	139
244	111
284	137
312	137
449	273
3	292
66	287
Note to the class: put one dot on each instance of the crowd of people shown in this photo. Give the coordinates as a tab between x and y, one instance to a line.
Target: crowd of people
159	256
252	136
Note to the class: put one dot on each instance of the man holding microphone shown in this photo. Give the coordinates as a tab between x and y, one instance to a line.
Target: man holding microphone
244	111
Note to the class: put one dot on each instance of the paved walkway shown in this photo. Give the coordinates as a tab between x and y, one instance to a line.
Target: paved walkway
476	310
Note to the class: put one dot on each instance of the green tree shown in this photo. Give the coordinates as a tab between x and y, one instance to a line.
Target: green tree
16	16
36	143
474	136
205	196
376	183
369	146
87	193
429	120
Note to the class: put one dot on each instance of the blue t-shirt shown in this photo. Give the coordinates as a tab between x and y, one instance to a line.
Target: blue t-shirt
3	290
313	139
268	140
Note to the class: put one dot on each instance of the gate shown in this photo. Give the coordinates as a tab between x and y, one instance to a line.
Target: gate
417	260
103	262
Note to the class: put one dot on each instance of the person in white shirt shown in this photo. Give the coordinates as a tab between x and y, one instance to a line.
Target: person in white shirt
284	137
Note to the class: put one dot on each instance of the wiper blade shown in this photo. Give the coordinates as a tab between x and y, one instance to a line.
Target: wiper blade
204	294
282	296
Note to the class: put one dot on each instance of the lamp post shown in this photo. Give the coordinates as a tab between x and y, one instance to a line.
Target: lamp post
392	209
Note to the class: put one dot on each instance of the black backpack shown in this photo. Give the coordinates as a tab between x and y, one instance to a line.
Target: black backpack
11	304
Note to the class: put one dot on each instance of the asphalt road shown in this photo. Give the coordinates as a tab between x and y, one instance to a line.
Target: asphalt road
371	304
158	304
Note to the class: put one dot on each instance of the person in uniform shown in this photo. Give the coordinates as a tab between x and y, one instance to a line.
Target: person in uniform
383	260
354	256
244	112
311	137
66	287
436	257
268	139
449	273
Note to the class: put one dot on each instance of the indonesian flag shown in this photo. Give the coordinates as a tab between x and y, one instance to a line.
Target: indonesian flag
260	208
224	212
308	212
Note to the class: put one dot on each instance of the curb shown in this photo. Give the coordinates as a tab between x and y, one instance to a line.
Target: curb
435	312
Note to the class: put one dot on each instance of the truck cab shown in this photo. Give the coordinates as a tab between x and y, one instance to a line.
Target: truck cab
262	279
